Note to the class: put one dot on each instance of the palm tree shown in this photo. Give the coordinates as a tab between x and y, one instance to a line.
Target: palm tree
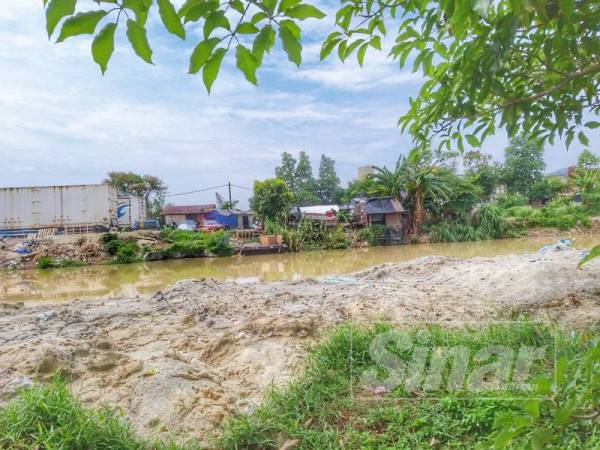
389	183
424	178
225	204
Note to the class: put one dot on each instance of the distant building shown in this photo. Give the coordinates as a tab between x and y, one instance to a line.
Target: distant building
179	213
365	171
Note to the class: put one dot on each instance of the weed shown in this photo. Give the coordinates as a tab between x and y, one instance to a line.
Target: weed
45	262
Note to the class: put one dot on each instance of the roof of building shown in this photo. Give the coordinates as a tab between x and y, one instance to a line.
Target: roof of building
382	205
187	209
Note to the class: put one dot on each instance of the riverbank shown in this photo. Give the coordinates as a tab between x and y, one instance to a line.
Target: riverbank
185	358
147	245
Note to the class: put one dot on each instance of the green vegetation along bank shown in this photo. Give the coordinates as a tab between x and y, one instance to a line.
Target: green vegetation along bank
330	406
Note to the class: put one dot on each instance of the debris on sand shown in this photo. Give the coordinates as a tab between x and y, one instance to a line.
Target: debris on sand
193	353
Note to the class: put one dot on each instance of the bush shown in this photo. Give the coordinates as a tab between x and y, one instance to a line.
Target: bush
69	262
45	262
510	200
372	234
490	222
562	217
217	242
111	242
453	232
127	252
317	235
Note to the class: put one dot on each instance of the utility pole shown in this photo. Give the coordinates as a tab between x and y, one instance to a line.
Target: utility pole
229	186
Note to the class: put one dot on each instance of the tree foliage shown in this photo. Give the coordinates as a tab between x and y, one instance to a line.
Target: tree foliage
528	66
328	183
523	164
272	200
151	188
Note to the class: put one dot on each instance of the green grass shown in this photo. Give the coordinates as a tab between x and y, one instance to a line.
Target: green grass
46	262
561	217
327	407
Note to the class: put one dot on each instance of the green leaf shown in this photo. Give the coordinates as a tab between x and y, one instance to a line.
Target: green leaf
201	54
214	20
360	55
284	5
264	42
304	12
593	253
376	42
170	18
81	23
472	140
56	10
104	45
532	407
136	34
291	45
140	8
269	5
583	138
211	68
258	17
541	437
592	125
246	28
246	62
328	47
196	9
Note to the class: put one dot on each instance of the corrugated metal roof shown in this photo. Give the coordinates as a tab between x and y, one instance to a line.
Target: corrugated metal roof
382	205
187	209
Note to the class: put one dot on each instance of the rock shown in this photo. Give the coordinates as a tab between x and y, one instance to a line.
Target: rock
47	315
12	387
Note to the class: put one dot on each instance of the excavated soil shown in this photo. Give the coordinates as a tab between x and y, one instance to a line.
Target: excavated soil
183	359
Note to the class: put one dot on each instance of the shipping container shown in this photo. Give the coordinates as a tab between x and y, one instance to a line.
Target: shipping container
130	209
58	206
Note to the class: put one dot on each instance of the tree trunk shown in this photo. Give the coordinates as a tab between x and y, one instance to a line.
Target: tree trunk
419	212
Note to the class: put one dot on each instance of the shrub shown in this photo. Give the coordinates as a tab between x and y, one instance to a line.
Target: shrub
453	232
111	242
317	235
217	242
372	234
510	200
562	217
490	222
45	262
127	252
69	262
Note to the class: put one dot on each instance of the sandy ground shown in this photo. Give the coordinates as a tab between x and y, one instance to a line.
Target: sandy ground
184	358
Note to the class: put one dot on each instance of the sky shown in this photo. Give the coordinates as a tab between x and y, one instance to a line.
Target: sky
62	122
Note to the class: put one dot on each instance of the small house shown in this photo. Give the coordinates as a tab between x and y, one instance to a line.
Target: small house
179	213
386	211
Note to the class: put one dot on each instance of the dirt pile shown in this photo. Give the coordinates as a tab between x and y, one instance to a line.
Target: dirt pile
186	357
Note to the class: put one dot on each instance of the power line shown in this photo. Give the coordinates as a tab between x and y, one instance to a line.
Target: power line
207	189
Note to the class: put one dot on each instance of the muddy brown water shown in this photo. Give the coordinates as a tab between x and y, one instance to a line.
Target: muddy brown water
147	278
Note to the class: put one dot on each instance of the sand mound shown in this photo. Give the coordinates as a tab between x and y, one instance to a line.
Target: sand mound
184	358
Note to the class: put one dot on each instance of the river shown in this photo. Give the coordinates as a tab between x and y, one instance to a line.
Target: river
146	278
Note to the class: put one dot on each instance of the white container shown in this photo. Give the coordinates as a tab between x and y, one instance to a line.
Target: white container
57	206
130	209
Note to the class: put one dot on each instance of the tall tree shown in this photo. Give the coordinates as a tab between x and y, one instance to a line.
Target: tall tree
306	186
328	183
523	164
482	172
151	188
287	170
